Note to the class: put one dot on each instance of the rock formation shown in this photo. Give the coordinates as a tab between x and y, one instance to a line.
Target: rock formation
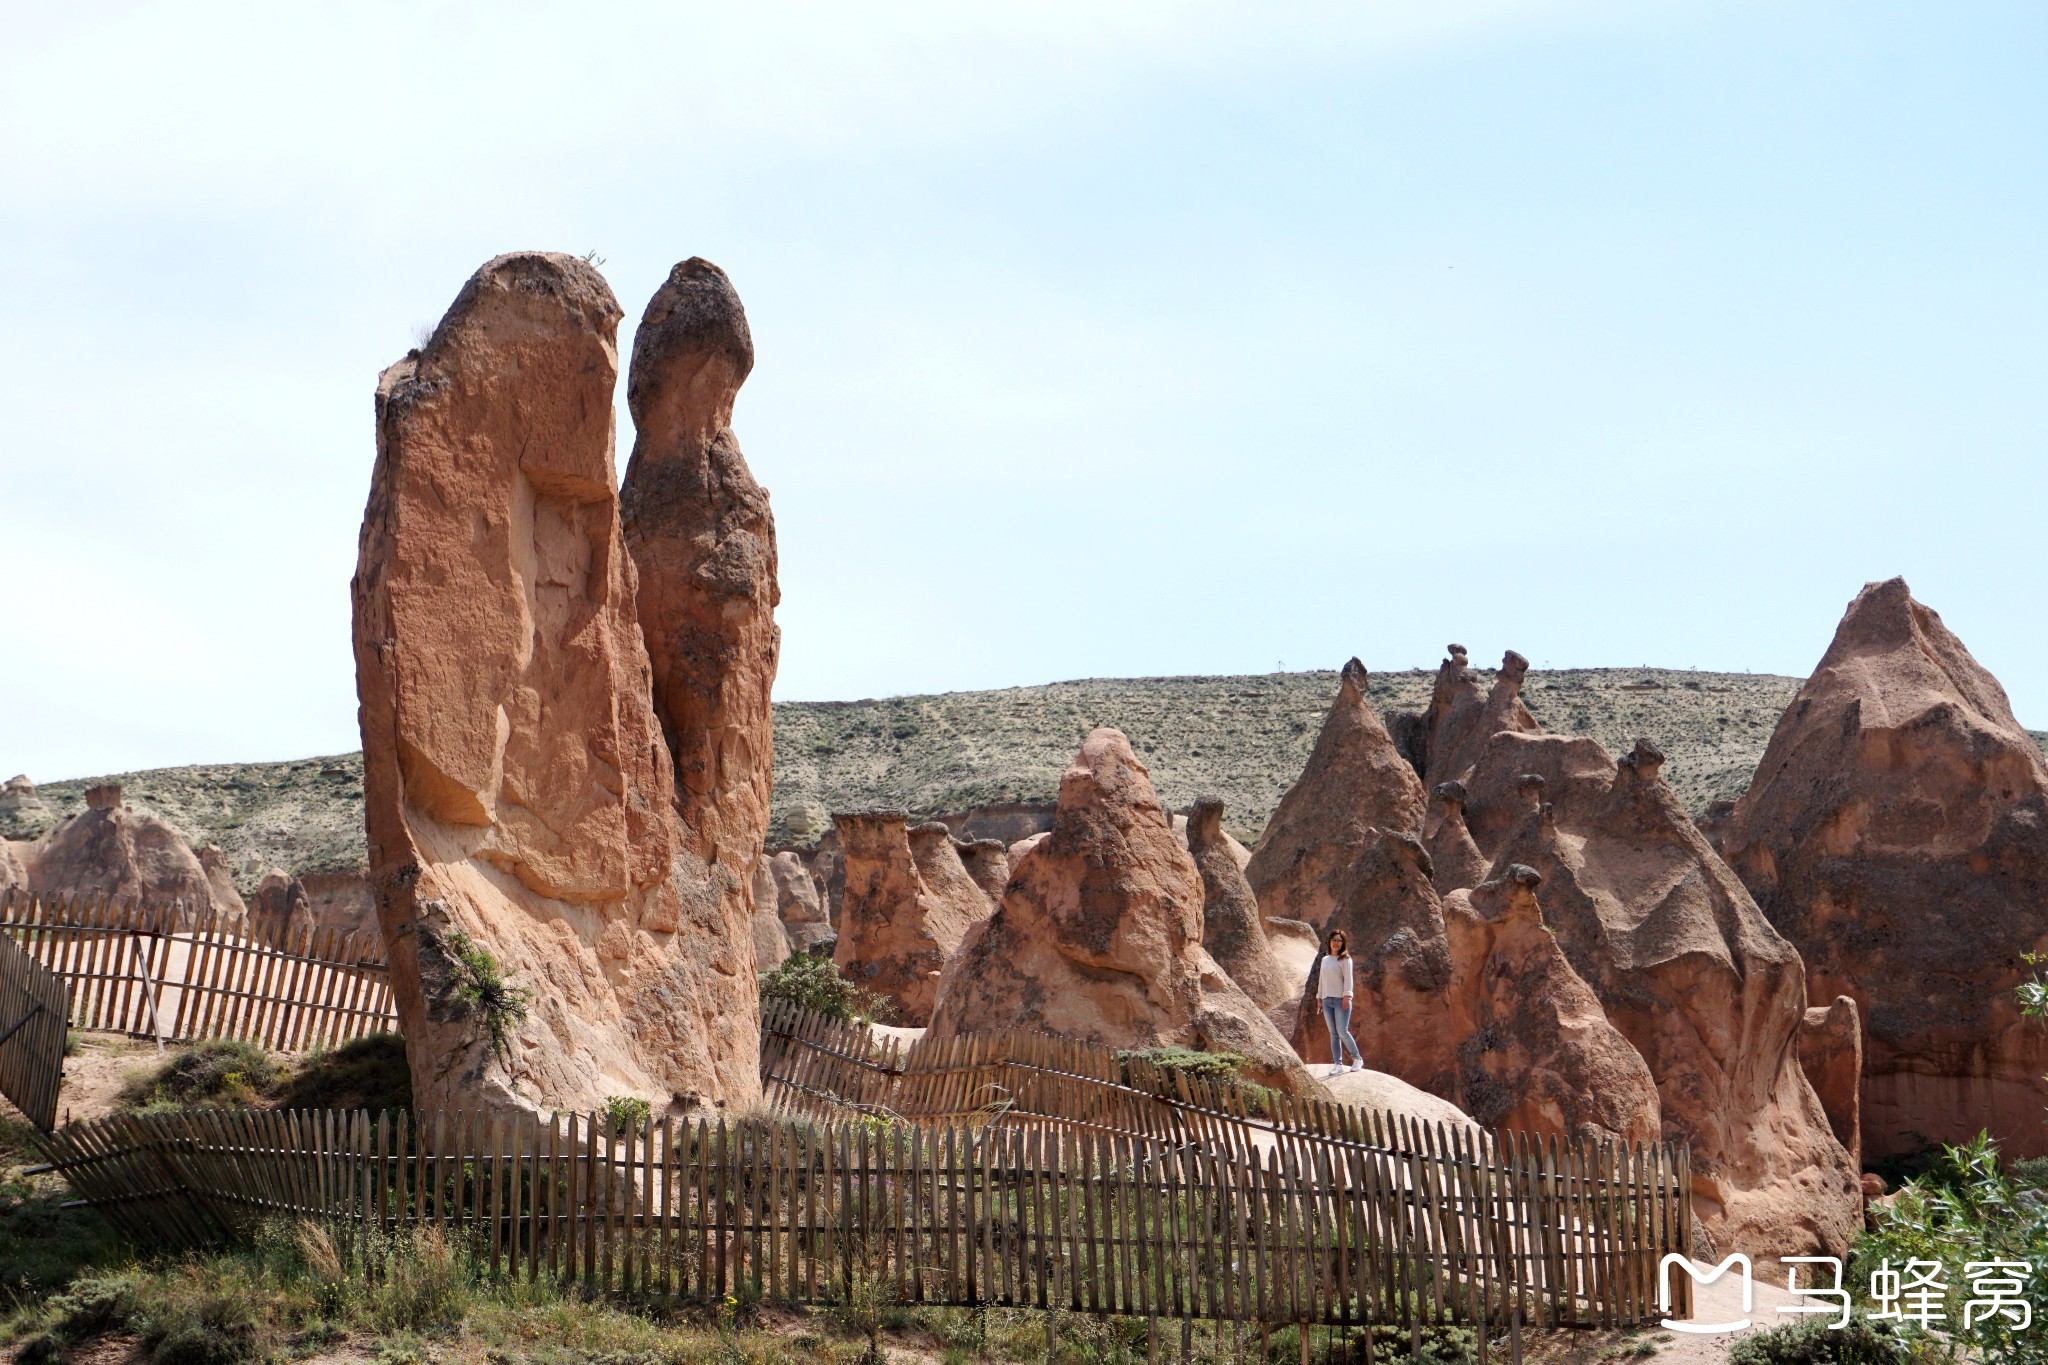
1690	972
221	878
110	849
1239	854
796	904
1099	935
17	793
1897	832
1401	967
1831	1055
907	905
280	903
1534	1049
1355	783
518	793
702	537
14	855
771	944
988	863
1231	927
1455	860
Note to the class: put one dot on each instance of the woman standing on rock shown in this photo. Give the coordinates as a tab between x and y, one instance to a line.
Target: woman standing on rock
1336	992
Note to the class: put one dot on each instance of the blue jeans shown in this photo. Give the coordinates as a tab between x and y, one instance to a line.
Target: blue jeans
1338	1016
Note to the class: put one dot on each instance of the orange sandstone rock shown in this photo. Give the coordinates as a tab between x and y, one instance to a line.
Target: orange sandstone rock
517	787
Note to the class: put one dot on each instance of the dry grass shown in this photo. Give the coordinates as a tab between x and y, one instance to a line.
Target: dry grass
1243	738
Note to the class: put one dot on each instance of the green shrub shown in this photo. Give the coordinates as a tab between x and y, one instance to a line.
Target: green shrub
625	1114
1816	1341
1208	1066
220	1071
815	983
477	985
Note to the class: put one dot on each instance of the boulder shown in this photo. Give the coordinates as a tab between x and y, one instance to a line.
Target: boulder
1534	1049
1455	860
1231	928
520	801
280	903
796	895
110	849
1377	1091
1831	1055
1099	936
988	863
1690	972
1355	783
1401	968
907	905
1897	832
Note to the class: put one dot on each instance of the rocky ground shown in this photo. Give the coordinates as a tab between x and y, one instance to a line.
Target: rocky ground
1243	738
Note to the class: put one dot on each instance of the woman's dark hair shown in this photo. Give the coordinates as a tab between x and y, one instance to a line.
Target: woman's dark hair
1330	943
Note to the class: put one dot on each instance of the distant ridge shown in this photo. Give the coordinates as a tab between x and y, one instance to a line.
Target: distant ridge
1243	738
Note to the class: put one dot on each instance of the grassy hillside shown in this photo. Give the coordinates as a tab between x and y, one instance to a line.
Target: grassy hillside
1244	738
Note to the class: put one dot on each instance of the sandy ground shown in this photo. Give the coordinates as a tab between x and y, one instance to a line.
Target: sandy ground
93	1078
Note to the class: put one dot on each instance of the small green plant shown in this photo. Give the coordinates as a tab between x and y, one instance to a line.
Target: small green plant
215	1072
815	983
477	986
625	1114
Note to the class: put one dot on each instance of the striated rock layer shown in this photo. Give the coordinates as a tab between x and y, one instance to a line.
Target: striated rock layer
1099	935
1897	832
517	788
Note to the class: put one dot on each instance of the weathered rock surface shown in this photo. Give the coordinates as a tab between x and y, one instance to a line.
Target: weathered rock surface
908	903
1897	832
796	895
703	539
280	903
1231	927
771	942
1831	1055
1355	783
14	856
17	793
988	862
341	901
517	788
1376	1090
1535	1051
220	877
1460	716
111	850
1099	935
1015	853
1455	860
1690	972
1401	968
1239	854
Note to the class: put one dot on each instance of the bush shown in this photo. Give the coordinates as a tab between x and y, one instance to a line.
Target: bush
216	1072
815	983
625	1114
1815	1341
477	985
1208	1066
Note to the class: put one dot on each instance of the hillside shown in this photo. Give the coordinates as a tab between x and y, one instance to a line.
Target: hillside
1244	738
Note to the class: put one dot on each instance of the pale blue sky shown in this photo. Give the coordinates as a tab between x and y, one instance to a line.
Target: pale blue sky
1092	340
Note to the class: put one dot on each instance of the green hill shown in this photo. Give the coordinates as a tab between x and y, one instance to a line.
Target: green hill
1243	738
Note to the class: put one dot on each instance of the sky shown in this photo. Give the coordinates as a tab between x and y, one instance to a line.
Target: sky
1091	341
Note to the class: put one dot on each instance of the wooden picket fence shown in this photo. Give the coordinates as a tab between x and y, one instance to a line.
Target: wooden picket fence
33	1011
177	974
1435	1226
